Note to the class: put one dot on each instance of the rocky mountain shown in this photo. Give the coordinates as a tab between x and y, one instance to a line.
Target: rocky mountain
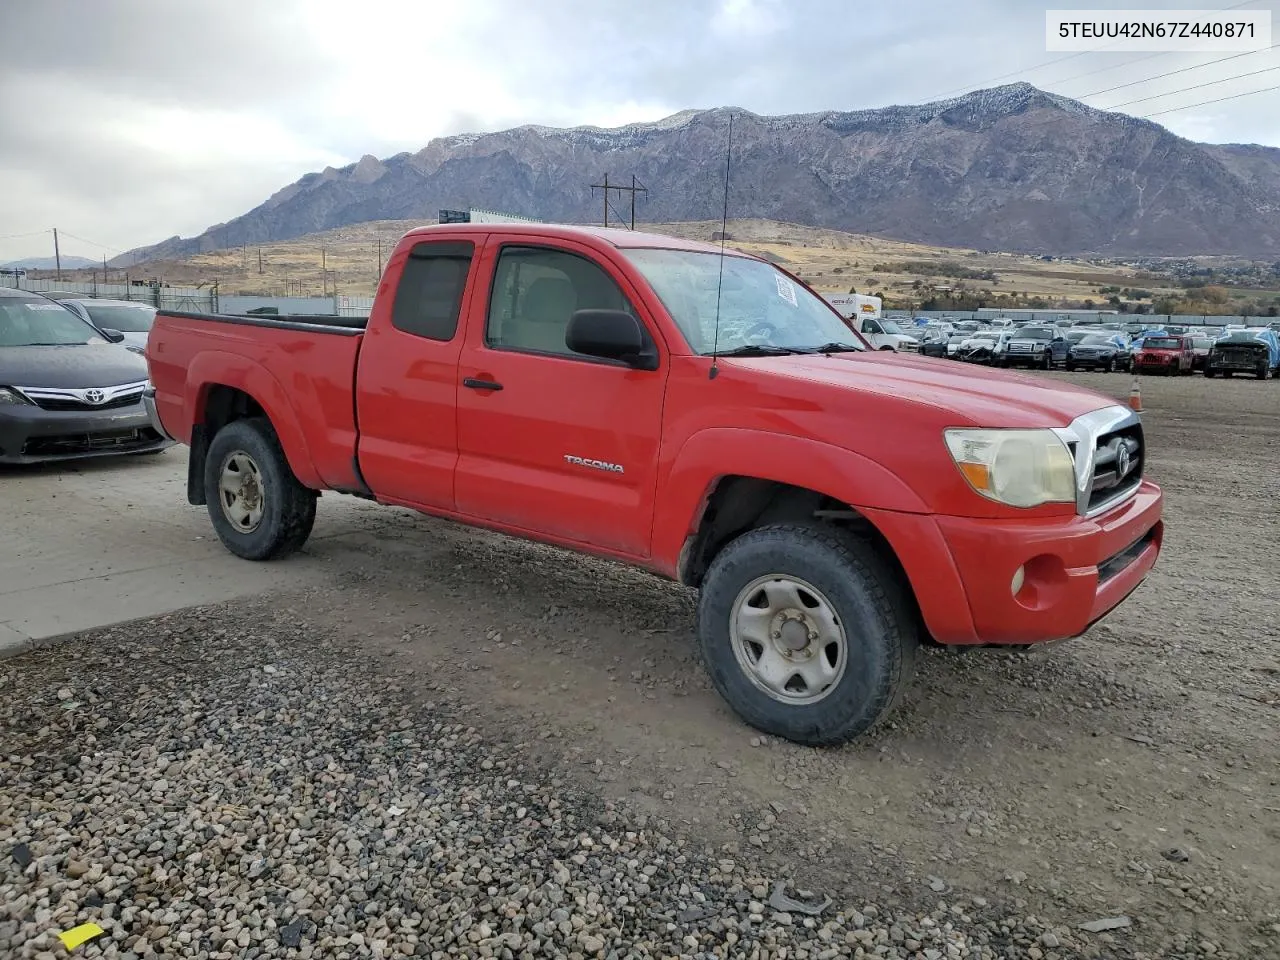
1009	168
49	263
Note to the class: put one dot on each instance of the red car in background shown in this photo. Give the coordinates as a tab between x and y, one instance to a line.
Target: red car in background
1165	354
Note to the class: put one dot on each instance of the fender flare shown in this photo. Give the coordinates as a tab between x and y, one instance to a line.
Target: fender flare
212	368
709	455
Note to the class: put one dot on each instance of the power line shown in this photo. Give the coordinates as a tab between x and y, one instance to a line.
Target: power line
1211	83
1205	103
1161	76
1072	56
100	246
1114	66
20	236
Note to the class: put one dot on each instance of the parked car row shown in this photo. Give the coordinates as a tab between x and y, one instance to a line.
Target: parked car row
1106	348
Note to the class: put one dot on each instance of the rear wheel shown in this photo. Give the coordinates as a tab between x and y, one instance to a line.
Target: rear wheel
259	509
1109	366
806	632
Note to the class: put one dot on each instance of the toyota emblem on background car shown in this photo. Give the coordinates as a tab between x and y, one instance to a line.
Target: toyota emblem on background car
94	395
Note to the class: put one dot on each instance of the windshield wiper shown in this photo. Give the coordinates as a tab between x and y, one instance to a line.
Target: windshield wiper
759	350
836	347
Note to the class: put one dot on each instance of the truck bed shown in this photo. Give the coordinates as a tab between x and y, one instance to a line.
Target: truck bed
300	369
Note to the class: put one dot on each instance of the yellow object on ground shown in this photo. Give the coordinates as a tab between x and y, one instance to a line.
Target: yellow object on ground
77	935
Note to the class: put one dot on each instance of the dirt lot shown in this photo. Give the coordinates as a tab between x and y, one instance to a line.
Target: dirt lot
1134	772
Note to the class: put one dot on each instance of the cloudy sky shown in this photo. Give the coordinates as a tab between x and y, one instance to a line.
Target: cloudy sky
128	121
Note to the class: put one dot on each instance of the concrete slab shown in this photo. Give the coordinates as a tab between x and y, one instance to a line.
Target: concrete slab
101	542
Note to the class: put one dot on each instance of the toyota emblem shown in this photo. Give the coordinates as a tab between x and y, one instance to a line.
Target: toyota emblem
95	395
1122	459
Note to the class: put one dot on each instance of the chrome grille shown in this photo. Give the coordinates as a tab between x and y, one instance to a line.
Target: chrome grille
1095	441
1109	482
86	398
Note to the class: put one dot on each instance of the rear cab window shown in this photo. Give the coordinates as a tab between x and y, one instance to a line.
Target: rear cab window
428	299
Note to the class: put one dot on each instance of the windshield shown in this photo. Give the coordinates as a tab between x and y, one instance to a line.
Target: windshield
759	305
34	322
1076	336
985	335
1035	333
127	318
888	326
1202	343
1244	336
1162	343
1095	339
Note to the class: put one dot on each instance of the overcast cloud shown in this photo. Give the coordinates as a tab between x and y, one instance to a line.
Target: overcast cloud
123	122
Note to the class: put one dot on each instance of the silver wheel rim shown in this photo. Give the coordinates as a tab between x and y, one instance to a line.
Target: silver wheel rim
788	639
241	490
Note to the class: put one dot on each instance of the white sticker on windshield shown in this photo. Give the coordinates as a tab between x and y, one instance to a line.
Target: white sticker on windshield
45	306
785	289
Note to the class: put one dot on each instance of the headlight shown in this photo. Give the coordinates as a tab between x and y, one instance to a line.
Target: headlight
1021	468
9	395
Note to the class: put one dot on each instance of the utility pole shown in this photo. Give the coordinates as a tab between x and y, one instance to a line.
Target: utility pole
259	261
606	186
57	256
379	258
324	273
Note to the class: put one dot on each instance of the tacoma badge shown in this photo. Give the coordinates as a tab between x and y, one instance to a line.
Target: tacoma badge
594	464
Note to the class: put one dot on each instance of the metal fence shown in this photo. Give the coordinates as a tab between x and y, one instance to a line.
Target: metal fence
207	299
204	299
195	299
1069	316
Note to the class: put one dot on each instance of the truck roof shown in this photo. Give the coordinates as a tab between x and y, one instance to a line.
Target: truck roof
613	236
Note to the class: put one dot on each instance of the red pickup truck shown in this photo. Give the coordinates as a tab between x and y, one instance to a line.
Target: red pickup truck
697	412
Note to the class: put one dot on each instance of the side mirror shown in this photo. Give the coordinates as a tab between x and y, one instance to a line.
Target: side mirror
115	336
611	335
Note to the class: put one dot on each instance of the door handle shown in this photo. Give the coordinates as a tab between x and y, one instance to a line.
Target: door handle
475	384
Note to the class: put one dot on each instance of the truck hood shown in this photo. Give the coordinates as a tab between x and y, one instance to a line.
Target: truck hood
70	367
990	398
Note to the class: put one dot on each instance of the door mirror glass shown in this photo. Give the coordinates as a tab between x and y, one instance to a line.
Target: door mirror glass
611	335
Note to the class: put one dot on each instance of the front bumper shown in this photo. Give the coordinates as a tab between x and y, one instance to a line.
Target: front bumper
1014	357
1076	569
153	414
29	434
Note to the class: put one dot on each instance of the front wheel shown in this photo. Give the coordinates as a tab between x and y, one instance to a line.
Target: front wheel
806	633
259	509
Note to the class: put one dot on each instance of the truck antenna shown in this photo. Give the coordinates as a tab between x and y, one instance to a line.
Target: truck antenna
724	233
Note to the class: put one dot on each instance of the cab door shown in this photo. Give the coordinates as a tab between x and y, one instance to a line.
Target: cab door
550	441
407	375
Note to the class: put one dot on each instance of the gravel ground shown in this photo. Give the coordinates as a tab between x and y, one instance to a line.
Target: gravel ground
219	785
471	746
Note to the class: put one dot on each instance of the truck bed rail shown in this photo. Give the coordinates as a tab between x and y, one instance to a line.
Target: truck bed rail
331	324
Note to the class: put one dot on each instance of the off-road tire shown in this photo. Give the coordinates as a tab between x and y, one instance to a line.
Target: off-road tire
1070	366
871	602
289	508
